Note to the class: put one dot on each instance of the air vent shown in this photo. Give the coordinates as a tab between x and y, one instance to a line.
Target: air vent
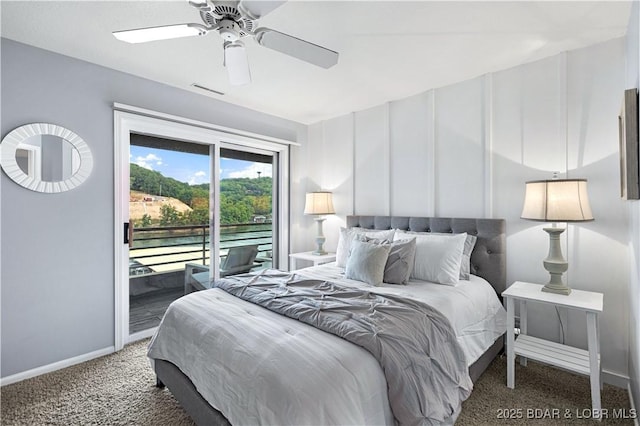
198	86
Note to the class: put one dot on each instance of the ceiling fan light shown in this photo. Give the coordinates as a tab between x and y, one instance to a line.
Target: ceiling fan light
160	33
237	64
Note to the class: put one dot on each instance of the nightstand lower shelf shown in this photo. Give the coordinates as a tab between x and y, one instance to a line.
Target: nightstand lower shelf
559	355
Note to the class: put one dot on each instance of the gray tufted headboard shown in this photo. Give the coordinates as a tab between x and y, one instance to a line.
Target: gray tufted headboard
489	257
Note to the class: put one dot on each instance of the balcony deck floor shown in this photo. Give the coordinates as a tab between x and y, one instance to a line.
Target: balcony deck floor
146	311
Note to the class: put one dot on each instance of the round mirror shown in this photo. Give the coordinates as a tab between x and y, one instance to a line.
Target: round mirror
45	157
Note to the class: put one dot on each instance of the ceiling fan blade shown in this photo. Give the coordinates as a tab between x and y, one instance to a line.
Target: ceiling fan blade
142	35
296	47
256	9
237	64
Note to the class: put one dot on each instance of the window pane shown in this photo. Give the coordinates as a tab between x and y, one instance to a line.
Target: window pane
246	211
169	211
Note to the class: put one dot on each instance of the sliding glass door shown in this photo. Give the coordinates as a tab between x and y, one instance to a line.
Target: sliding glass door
169	225
195	204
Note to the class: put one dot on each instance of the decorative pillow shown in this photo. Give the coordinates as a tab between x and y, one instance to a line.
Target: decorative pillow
399	264
366	262
347	235
438	257
469	244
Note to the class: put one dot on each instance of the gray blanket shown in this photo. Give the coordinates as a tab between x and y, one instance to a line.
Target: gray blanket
416	347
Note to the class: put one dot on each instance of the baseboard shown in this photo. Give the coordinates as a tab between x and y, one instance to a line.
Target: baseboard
615	379
55	366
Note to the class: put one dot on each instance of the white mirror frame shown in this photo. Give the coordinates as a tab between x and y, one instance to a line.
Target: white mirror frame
19	135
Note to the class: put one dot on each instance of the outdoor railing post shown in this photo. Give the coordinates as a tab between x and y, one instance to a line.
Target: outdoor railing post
204	246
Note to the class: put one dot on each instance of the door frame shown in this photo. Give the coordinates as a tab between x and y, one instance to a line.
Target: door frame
129	120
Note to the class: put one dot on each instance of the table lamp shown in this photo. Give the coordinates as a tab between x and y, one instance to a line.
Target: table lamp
557	200
319	203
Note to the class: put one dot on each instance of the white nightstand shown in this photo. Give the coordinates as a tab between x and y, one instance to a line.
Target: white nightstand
563	356
316	259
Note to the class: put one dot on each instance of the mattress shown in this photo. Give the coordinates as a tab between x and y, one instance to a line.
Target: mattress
258	367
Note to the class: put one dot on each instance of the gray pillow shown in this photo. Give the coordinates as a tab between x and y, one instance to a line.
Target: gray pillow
366	262
399	264
348	234
465	266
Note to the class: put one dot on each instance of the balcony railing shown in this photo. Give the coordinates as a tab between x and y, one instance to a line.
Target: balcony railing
169	248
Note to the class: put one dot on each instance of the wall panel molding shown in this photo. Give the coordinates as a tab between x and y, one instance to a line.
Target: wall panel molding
387	150
434	149
563	108
353	162
488	144
431	160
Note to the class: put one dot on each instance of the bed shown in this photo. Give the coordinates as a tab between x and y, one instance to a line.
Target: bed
335	380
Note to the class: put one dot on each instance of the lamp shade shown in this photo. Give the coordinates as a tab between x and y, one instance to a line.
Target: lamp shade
558	200
319	203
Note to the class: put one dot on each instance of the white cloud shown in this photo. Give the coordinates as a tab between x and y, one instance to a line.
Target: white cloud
252	171
198	177
147	161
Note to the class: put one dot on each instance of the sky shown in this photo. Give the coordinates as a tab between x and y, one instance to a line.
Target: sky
193	168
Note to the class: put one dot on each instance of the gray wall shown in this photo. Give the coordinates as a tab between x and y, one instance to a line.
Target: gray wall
57	254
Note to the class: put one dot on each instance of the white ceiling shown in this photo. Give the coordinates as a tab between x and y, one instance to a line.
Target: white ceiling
388	50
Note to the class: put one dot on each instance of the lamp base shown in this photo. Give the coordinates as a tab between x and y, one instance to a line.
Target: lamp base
555	264
558	289
320	239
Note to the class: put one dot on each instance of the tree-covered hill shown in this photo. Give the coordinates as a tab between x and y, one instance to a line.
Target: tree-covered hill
241	199
152	182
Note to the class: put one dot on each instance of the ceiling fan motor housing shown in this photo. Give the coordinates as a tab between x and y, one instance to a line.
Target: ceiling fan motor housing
230	20
229	30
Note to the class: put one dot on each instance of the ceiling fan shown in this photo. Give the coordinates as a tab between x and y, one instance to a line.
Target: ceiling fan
235	20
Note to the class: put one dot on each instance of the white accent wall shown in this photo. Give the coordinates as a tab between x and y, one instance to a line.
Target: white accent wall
466	150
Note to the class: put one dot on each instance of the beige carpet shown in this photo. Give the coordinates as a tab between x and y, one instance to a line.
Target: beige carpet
119	389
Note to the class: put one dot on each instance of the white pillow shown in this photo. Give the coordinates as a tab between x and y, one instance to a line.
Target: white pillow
348	234
469	244
438	257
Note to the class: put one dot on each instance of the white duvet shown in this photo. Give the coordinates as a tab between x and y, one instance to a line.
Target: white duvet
258	367
472	307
